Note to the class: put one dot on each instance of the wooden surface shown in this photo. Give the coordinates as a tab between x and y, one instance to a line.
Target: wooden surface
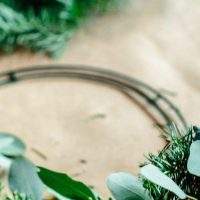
90	130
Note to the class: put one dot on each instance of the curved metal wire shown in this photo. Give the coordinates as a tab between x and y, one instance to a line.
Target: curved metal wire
124	83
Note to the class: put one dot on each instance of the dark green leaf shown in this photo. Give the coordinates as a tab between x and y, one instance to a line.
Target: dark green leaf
65	186
23	178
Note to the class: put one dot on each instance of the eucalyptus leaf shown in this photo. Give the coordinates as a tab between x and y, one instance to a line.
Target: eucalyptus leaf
23	178
153	174
193	164
11	145
5	162
125	186
63	185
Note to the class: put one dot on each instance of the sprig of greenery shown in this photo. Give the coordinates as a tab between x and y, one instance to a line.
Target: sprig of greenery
171	175
44	26
15	196
172	161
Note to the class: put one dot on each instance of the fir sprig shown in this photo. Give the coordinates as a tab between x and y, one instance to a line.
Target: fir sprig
172	161
44	25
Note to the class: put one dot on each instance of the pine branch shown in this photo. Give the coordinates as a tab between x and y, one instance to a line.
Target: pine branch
172	160
44	26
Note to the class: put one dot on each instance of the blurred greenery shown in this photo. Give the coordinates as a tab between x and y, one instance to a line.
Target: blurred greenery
44	25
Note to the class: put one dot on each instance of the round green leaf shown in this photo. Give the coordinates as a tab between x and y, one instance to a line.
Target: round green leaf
11	145
125	186
193	164
153	174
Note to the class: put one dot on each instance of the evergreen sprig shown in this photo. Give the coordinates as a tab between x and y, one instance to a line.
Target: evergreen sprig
15	196
173	174
172	161
44	25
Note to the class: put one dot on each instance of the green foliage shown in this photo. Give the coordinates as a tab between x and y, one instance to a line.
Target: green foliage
11	145
172	161
63	185
44	25
24	181
193	164
153	174
173	174
125	186
17	196
23	178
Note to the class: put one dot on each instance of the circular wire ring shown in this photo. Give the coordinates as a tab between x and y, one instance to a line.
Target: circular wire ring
133	88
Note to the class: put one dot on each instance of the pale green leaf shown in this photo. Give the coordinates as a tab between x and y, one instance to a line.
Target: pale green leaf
153	174
11	145
23	178
125	186
193	164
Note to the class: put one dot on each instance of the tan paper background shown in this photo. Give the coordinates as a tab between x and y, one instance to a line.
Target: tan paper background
156	41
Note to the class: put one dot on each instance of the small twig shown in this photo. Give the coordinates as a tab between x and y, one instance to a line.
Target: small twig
40	154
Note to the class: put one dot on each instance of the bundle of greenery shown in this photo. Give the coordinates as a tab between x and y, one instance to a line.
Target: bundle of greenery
172	174
44	25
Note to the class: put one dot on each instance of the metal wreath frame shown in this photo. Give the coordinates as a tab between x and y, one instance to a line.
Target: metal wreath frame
133	88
